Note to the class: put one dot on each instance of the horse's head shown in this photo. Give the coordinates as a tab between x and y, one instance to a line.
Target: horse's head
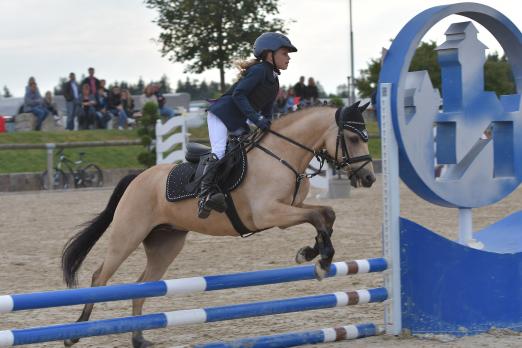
348	144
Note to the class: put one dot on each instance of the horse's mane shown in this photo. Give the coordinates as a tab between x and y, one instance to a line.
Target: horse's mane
292	117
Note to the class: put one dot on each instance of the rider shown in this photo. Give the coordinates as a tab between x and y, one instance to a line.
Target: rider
251	97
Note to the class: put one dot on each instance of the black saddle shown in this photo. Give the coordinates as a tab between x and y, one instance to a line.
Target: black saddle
184	179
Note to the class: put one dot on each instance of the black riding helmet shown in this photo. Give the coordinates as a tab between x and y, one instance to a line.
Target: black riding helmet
271	42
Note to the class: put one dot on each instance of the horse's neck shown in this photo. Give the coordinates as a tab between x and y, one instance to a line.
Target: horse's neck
310	131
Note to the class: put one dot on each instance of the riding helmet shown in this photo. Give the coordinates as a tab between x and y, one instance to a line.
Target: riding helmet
271	42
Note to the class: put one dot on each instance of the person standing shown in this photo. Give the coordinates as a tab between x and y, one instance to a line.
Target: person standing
311	92
93	82
299	90
71	93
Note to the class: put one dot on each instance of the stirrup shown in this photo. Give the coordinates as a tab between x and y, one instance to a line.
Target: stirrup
211	202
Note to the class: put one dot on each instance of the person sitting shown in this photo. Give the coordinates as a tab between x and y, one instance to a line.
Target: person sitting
103	116
127	102
33	103
50	105
115	107
165	111
250	98
87	115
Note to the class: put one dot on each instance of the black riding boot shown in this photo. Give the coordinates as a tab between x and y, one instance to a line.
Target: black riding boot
210	198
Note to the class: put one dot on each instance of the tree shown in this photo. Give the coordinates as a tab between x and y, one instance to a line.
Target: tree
497	71
7	92
211	34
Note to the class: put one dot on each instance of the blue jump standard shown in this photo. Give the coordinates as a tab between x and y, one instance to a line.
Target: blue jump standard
70	297
293	339
192	316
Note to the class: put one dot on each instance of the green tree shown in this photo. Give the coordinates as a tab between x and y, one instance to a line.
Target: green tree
498	75
497	71
211	34
147	133
7	92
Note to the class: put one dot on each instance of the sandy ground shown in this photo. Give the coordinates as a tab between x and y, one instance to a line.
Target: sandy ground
34	227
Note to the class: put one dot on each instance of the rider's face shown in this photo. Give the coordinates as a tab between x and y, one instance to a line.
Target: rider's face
282	58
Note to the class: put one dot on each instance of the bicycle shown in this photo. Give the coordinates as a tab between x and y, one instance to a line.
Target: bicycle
83	174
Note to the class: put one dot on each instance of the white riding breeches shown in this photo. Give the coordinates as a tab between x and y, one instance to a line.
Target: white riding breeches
217	133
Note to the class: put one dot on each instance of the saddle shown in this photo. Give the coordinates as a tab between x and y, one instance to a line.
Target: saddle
184	179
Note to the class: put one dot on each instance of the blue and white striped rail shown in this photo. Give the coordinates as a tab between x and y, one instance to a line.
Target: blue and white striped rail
293	339
9	303
16	337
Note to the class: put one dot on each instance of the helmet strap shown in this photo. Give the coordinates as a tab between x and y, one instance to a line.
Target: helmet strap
278	72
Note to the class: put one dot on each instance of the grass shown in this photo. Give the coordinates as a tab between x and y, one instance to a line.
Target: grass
20	161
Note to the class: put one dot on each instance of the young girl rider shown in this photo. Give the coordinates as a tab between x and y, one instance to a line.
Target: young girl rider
250	98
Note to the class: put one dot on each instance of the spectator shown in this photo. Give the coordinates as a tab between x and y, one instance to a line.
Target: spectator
311	92
71	93
33	103
88	110
280	102
103	116
291	100
50	105
299	90
115	107
127	102
92	82
164	109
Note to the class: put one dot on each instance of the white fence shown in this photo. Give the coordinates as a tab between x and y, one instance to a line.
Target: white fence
165	145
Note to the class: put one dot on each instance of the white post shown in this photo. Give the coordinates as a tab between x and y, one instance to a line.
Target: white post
50	165
159	140
465	226
391	211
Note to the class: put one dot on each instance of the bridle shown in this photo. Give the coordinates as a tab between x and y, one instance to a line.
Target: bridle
322	155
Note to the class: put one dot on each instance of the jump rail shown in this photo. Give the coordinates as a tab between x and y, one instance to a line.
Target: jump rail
176	287
16	337
292	339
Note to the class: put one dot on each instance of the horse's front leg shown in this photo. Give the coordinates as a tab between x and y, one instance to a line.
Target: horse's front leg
308	253
284	216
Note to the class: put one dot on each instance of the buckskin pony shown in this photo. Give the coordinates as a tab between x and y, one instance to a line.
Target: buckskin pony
270	195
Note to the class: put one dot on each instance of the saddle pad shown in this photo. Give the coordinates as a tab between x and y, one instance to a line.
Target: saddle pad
183	174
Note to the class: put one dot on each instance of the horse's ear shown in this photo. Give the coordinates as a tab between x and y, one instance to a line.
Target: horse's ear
362	108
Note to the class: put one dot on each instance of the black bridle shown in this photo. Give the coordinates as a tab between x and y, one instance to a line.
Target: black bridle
322	155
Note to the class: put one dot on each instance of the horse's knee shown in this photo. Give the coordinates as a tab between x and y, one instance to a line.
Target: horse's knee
316	218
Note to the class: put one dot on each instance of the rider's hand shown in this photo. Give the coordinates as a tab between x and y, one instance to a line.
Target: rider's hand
263	123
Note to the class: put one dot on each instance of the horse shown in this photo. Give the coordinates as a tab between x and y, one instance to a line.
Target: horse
271	195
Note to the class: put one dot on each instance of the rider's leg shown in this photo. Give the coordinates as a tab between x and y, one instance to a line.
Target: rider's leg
209	196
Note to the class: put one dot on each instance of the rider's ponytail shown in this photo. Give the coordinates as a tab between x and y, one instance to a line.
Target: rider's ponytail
243	65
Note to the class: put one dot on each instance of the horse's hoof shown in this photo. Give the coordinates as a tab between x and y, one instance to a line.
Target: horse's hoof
305	254
140	342
69	343
320	273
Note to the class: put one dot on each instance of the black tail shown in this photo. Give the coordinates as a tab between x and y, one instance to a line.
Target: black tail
77	248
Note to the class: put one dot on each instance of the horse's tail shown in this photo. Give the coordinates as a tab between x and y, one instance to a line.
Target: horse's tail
77	248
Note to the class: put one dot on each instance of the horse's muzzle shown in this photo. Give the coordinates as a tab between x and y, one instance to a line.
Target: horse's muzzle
363	177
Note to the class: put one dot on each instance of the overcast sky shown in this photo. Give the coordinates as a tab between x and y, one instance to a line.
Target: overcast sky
48	39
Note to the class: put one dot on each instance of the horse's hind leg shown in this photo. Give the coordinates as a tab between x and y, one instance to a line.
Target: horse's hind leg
308	253
121	244
162	246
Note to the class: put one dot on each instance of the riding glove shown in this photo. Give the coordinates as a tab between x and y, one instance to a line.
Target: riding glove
262	122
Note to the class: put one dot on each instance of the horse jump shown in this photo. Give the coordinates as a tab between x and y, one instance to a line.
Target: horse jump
15	337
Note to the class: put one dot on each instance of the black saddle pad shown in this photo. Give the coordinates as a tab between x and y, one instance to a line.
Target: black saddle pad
180	180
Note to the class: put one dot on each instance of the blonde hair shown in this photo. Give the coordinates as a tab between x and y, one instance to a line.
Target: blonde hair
243	65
